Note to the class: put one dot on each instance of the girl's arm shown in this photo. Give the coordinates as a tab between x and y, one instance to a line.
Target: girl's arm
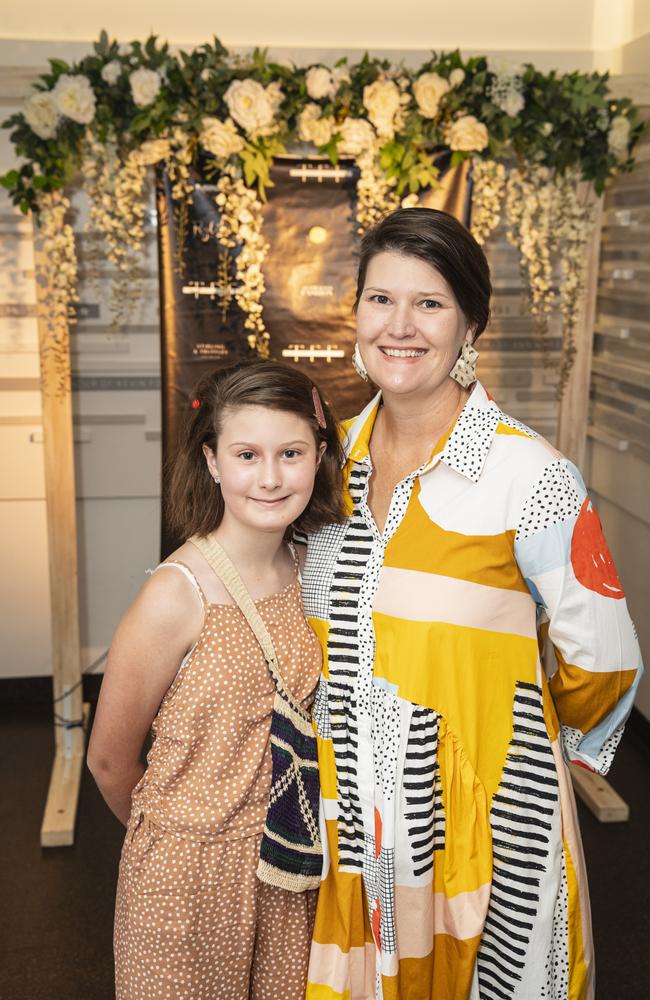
153	637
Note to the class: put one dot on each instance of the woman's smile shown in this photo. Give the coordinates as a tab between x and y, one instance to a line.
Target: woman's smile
403	353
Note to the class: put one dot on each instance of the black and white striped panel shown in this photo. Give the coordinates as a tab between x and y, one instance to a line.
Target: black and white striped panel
343	668
424	811
521	819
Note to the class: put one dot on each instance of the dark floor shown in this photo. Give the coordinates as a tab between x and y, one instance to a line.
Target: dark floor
56	904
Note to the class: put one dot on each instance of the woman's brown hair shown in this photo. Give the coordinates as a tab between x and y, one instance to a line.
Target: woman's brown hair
441	241
194	502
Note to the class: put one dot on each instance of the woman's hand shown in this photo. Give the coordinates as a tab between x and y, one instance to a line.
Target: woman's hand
147	650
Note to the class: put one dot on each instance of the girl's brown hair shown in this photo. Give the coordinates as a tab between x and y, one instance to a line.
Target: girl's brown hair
194	502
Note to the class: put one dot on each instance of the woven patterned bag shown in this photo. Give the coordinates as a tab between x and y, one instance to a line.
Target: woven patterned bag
291	851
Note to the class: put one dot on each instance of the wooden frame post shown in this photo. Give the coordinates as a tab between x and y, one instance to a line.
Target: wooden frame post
573	416
69	737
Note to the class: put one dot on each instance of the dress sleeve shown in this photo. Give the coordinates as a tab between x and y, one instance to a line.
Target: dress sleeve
567	565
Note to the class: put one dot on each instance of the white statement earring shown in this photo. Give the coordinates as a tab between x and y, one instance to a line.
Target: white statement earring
358	365
464	371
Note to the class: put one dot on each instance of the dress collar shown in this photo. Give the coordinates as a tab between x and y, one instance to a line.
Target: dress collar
467	444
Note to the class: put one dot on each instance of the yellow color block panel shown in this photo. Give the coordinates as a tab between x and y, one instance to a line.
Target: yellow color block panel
341	913
422	545
321	628
467	675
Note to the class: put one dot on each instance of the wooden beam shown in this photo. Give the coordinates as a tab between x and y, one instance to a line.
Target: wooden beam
58	450
573	411
599	796
57	828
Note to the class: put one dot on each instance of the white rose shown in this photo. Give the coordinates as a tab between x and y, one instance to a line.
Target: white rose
547	128
468	134
429	89
456	77
382	100
41	114
340	74
313	128
512	103
145	86
357	136
74	98
111	72
619	136
153	151
501	66
319	83
249	105
275	95
220	138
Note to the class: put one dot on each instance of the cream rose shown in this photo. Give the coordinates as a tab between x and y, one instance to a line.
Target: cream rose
467	134
357	136
456	77
220	138
619	136
145	86
340	74
382	100
153	151
41	114
275	95
319	82
111	72
74	98
429	89
249	105
313	128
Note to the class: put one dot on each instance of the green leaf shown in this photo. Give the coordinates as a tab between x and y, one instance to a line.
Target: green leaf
10	179
59	66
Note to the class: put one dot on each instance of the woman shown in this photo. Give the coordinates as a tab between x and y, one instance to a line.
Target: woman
453	864
192	919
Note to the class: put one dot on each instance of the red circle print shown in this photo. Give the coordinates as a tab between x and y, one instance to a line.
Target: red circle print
590	556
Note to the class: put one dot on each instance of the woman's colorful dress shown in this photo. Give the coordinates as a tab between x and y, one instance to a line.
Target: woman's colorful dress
453	865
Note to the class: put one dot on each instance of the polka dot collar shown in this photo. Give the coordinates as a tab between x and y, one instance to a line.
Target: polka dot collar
467	446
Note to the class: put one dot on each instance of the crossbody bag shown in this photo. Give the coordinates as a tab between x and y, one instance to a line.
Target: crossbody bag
291	849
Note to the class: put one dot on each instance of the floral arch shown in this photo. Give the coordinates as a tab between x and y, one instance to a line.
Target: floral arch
539	145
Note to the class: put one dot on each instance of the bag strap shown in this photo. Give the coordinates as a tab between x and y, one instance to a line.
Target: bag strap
232	581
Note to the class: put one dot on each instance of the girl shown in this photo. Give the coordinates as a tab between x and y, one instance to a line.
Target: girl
261	453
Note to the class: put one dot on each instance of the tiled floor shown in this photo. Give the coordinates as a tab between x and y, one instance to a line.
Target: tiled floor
56	905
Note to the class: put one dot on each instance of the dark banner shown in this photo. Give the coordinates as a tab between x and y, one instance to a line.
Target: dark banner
310	225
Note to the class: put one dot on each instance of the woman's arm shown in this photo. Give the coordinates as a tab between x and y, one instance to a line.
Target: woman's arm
153	637
563	556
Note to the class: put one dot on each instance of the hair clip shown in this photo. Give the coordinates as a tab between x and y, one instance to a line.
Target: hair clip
318	409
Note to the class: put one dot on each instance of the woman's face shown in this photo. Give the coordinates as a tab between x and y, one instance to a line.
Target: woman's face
266	461
410	327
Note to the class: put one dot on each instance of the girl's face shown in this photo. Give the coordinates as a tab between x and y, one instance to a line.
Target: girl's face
266	461
410	327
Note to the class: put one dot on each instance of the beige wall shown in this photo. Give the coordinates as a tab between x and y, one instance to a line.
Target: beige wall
509	24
